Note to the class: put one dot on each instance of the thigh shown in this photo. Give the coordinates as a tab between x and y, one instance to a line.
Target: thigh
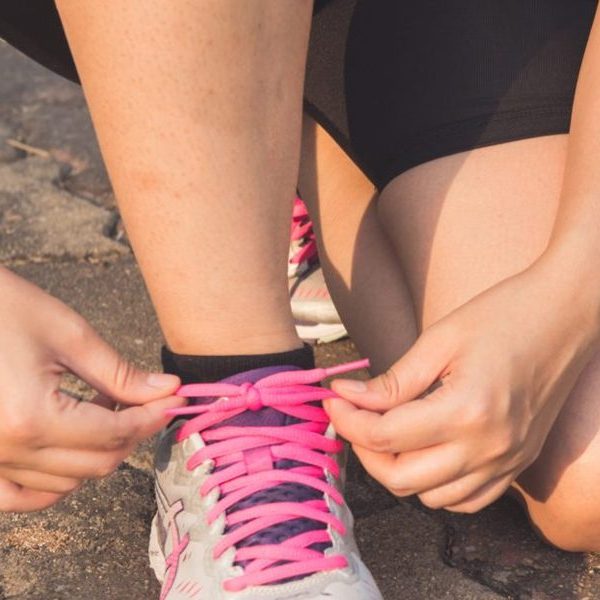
459	225
468	144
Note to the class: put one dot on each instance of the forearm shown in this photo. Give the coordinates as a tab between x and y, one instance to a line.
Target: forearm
577	227
570	264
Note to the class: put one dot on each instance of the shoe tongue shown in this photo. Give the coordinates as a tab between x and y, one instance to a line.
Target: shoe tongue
265	417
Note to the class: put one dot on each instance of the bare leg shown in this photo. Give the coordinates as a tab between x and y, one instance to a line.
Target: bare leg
197	106
459	225
358	260
463	223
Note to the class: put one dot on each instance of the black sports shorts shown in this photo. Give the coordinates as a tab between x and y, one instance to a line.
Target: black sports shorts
399	83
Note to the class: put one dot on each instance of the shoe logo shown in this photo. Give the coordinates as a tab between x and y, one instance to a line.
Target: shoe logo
178	545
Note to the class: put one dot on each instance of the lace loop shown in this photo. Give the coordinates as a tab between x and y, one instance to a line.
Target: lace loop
252	396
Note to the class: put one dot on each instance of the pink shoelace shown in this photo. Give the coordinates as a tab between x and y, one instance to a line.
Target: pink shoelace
302	235
244	457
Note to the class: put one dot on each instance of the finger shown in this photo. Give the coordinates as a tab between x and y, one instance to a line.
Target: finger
407	427
14	498
86	426
87	355
454	491
459	491
484	496
40	482
424	362
414	472
78	464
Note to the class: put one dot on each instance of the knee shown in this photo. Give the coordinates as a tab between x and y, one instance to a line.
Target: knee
571	524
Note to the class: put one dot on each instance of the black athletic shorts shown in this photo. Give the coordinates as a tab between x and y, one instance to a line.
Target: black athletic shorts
399	83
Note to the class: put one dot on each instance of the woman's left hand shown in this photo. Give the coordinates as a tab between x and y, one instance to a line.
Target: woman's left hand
505	363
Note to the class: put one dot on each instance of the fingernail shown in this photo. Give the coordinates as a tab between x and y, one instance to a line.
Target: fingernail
350	386
162	381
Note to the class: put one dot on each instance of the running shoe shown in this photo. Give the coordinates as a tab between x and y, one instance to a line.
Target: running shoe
317	320
249	495
303	244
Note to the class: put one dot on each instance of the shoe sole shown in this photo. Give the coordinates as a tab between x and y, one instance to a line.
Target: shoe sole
321	333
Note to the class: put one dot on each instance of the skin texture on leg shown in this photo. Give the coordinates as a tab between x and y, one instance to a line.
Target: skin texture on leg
197	106
458	225
462	223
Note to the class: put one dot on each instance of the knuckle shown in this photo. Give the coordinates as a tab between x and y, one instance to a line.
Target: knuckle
389	383
124	431
503	444
18	427
476	414
118	441
123	374
378	439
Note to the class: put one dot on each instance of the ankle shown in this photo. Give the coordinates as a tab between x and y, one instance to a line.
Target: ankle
266	343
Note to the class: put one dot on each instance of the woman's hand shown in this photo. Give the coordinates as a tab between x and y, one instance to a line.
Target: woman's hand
505	362
50	442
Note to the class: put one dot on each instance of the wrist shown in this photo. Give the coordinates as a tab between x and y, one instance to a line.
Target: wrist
571	269
576	235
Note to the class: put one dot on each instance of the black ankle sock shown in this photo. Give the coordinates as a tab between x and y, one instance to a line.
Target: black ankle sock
208	369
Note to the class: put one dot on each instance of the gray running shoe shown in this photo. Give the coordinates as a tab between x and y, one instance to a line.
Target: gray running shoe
249	495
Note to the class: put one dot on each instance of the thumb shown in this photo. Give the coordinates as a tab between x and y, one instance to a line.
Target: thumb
98	364
408	378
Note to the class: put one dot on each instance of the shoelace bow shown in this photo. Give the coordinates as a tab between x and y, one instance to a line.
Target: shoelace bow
304	245
243	460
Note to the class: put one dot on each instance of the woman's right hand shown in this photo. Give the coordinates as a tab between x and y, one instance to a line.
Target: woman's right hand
50	442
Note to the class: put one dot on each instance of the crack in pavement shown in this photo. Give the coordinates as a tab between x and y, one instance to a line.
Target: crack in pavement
91	259
473	575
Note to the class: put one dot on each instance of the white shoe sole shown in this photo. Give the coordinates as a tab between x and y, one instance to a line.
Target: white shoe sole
321	333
